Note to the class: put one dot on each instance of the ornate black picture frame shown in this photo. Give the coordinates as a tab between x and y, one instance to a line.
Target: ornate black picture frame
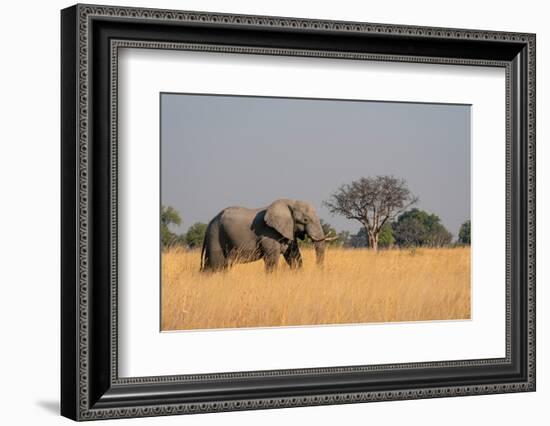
91	37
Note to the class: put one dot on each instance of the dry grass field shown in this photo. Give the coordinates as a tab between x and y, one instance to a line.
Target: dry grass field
354	286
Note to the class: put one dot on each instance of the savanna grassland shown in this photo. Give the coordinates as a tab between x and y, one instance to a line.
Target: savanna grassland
354	286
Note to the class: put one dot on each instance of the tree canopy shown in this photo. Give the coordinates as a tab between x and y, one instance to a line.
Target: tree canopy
195	234
417	228
464	234
168	216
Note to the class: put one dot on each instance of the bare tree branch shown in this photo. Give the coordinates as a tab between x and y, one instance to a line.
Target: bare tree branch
371	201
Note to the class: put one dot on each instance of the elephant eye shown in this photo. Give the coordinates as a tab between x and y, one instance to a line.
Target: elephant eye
305	219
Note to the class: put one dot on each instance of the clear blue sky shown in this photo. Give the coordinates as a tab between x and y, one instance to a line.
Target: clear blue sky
218	151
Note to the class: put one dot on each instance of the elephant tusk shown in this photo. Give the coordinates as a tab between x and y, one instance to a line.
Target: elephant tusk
325	238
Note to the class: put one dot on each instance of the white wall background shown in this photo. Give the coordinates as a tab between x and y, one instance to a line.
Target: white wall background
29	217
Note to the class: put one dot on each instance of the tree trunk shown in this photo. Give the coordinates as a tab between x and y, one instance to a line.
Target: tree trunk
373	240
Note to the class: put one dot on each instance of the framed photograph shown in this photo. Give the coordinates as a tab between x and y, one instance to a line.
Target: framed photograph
263	212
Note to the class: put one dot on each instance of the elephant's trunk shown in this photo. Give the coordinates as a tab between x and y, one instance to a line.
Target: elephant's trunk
320	251
315	231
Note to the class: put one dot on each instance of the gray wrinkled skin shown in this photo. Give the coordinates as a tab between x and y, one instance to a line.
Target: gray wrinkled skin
242	235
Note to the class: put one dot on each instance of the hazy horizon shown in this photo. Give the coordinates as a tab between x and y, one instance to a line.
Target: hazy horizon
218	151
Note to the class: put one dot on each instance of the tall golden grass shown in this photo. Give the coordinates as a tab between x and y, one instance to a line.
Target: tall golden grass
354	286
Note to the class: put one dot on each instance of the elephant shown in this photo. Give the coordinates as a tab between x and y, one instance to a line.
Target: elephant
242	235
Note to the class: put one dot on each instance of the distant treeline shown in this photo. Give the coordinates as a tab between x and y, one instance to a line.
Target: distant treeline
381	204
192	238
413	228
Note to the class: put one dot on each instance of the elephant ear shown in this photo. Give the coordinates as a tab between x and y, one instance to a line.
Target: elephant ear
279	217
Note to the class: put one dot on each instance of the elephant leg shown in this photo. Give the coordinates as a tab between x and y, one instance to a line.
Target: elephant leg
214	256
271	250
293	256
215	261
271	262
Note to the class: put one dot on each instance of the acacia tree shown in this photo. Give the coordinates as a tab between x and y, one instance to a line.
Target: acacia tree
372	201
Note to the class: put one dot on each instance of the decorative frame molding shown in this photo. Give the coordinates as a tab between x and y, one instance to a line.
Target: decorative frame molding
91	37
